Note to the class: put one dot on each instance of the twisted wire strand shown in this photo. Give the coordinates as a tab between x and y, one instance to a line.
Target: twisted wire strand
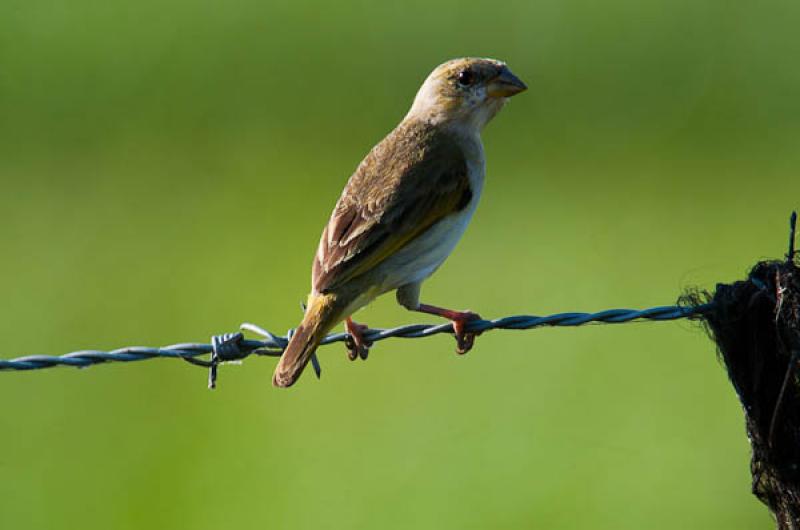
234	346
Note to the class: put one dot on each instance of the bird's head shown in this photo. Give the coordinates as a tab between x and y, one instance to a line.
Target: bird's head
465	92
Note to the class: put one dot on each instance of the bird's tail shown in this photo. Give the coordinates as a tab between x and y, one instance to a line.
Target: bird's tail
323	312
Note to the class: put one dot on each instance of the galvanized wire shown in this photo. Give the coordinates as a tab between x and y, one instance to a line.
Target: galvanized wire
234	346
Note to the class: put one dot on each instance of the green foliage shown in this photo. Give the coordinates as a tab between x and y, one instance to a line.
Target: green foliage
167	167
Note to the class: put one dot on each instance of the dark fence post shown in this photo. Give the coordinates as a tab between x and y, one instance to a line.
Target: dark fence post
756	325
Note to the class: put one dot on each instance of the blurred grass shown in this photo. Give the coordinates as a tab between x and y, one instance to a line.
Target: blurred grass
166	169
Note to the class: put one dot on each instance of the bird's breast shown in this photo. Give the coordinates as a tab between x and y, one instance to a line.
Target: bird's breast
422	256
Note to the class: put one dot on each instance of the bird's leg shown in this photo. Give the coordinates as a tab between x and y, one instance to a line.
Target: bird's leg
357	346
464	339
408	297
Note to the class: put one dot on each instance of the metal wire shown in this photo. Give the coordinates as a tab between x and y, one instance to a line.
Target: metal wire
234	346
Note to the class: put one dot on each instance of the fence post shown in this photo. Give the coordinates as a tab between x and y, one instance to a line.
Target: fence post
756	325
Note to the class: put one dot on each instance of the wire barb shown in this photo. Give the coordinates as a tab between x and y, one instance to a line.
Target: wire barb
233	346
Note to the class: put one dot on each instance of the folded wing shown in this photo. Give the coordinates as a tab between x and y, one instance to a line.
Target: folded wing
411	180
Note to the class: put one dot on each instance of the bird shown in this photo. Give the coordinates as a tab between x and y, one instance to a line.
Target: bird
403	210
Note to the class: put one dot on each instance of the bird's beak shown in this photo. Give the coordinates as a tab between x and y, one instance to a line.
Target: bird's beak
505	85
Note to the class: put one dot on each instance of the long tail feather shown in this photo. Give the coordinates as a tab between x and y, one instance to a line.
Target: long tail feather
322	314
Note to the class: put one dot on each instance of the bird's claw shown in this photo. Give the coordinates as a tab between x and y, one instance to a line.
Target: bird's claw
464	339
356	345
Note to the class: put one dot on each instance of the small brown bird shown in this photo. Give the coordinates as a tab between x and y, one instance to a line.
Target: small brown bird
404	209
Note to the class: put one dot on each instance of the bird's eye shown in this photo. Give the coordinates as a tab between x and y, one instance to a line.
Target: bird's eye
465	78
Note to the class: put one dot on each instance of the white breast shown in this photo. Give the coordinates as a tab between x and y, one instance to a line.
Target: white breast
422	256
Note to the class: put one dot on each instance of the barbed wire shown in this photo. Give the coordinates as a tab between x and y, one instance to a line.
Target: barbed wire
235	347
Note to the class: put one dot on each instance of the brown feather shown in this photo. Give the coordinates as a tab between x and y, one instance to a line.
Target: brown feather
323	312
415	177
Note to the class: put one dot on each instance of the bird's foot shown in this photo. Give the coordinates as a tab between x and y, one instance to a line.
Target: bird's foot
357	346
464	339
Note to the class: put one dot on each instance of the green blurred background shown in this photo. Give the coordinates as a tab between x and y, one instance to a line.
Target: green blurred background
167	167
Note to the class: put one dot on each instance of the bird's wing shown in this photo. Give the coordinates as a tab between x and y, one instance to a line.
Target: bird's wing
415	177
